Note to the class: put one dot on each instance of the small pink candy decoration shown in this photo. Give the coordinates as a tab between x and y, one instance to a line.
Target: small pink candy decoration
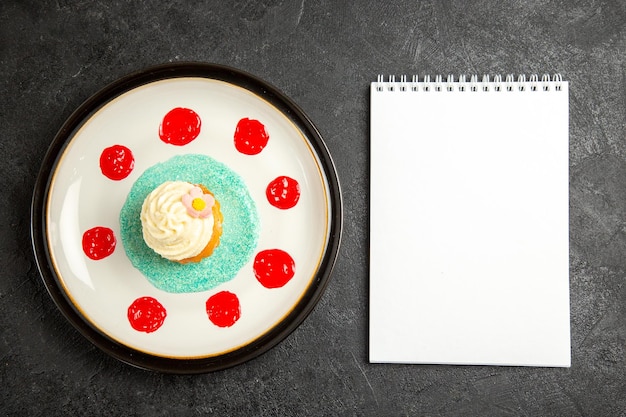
197	203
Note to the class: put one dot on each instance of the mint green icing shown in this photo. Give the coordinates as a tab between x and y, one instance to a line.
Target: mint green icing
240	228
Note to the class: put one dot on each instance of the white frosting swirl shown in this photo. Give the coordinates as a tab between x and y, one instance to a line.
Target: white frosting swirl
167	227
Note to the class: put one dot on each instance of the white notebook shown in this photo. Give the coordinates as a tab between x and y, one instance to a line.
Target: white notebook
469	242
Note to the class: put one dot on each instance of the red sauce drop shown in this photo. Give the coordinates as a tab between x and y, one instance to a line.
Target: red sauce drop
146	314
98	242
283	192
273	268
250	136
116	162
180	126
223	309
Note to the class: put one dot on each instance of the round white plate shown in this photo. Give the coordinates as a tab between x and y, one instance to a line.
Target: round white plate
72	196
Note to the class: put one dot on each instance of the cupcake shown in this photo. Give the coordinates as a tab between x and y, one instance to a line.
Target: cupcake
182	222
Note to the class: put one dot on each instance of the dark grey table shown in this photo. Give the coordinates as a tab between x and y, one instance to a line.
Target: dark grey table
55	54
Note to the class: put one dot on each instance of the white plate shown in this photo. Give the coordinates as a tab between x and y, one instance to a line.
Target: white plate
72	196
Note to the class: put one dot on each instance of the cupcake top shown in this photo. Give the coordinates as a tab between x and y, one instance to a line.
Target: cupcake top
177	220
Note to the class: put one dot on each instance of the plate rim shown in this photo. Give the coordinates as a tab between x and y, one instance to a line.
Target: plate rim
54	153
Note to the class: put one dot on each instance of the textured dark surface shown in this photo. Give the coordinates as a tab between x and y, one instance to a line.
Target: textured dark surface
55	54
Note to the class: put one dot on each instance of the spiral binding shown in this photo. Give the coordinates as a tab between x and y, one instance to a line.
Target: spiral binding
509	83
